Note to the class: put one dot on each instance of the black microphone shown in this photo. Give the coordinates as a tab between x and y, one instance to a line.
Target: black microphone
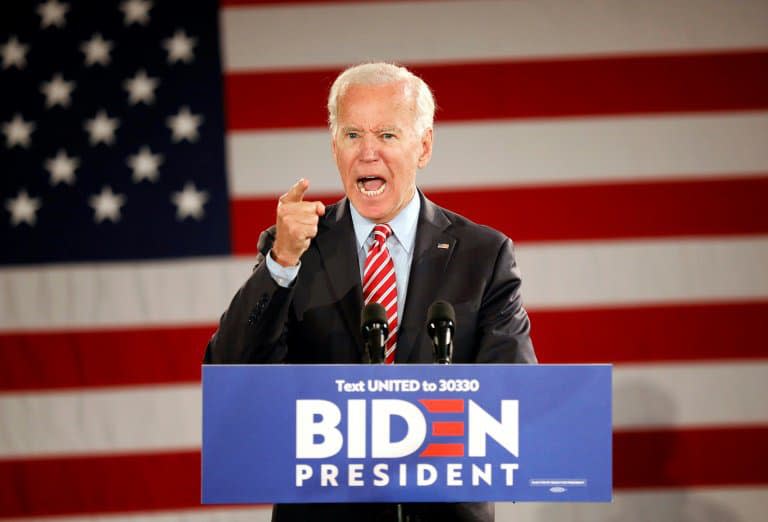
441	321
375	331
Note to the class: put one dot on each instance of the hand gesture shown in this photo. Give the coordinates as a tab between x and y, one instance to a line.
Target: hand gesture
296	224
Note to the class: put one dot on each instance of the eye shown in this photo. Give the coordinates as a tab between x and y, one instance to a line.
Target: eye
353	134
388	136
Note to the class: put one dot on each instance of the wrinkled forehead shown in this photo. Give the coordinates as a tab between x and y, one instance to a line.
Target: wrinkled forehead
401	86
398	98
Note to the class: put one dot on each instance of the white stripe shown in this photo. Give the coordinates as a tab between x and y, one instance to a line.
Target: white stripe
389	305
368	279
392	286
103	421
673	505
658	395
97	295
555	275
588	273
168	417
208	514
482	30
393	331
525	152
376	288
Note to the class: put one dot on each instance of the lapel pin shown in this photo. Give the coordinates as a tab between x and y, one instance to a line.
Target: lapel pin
443	245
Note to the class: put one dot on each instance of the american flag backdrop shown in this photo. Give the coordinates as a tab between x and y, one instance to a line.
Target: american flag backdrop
623	145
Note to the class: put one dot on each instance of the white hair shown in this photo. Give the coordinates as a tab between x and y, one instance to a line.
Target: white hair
381	73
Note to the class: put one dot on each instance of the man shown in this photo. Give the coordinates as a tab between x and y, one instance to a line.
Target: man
384	242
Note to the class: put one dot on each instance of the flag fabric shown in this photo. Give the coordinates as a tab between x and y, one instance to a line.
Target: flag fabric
622	145
114	133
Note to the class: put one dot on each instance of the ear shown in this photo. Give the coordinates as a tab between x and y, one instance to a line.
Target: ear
426	148
333	145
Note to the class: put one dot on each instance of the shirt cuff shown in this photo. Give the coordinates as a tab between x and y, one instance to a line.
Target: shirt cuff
282	275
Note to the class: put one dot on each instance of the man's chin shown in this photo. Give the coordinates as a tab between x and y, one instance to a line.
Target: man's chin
375	211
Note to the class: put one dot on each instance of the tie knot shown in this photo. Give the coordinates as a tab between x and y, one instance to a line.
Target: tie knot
381	233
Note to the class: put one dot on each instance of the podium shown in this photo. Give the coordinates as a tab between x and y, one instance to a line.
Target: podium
406	433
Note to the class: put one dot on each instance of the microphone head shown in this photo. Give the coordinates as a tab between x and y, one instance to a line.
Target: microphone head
373	314
440	311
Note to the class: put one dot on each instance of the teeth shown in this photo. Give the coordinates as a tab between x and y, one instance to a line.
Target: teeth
370	193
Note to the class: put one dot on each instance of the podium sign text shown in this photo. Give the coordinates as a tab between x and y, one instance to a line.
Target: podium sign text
406	433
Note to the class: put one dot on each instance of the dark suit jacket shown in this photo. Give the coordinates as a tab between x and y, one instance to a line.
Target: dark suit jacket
317	319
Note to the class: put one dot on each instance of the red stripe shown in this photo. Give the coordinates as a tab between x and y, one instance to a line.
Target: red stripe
99	484
694	332
371	269
642	459
380	286
443	405
690	332
443	450
249	216
618	210
102	357
697	457
447	429
570	212
525	89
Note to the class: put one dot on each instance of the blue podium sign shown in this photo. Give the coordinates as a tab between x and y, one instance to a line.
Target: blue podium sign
406	433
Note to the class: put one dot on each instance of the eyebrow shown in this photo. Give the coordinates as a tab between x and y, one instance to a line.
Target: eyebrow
384	129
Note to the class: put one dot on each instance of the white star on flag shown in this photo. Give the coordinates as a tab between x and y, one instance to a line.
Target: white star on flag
57	91
101	128
96	50
52	14
62	168
23	208
184	125
136	12
106	205
14	53
141	88
189	202
17	132
144	165
179	47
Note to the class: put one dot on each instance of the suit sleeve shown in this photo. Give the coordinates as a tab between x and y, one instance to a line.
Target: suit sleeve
253	329
503	327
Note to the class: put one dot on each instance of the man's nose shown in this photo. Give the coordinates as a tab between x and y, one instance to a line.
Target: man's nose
369	148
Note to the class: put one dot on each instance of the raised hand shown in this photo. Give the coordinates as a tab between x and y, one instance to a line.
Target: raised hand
296	224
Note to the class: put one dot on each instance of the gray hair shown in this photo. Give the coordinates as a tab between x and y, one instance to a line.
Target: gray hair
381	73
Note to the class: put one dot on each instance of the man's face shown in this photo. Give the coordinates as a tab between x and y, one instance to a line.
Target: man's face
376	149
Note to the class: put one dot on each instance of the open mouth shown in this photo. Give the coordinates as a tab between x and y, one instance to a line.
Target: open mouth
371	185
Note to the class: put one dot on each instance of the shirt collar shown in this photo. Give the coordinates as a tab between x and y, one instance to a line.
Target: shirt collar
403	225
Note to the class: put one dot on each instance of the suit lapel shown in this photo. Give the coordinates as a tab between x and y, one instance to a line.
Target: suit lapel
338	253
433	249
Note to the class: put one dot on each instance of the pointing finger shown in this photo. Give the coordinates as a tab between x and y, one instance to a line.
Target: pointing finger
296	193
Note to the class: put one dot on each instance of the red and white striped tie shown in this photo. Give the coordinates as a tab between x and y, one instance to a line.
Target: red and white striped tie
380	284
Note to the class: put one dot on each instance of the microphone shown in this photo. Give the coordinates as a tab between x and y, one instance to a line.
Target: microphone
375	331
441	320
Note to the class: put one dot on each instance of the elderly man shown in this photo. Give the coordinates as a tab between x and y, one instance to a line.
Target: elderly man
384	242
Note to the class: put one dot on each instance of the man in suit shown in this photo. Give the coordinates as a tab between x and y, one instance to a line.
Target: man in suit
384	242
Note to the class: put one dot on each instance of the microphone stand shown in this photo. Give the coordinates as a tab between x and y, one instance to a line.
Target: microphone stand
441	321
375	332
